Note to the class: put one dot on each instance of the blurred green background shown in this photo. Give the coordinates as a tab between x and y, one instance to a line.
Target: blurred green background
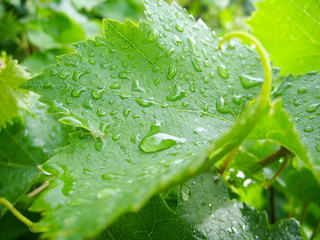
36	31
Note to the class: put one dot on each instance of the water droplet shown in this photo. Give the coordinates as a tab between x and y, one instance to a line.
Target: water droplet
302	90
92	61
47	85
185	192
318	147
212	74
221	107
107	192
172	71
122	75
69	120
153	35
96	93
249	82
143	102
98	146
101	113
196	65
87	104
78	74
126	112
176	94
54	72
155	142
223	71
157	81
313	107
87	172
308	129
136	87
170	52
116	137
76	92
179	27
63	75
115	85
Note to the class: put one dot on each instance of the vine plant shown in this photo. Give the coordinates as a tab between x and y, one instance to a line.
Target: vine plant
150	106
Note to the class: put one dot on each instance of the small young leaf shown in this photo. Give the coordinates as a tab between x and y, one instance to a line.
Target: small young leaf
11	76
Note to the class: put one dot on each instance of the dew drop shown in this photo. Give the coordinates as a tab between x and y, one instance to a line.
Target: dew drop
96	93
172	72
76	92
78	74
115	85
159	141
143	102
136	87
223	71
153	35
63	75
101	113
87	104
92	61
185	192
313	107
54	72
308	129
98	146
221	107
122	75
196	65
126	112
176	94
249	82
302	90
69	120
116	137
179	27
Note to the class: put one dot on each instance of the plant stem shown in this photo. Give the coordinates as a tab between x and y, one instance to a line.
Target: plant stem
15	212
272	206
228	160
39	189
304	212
315	230
274	157
287	158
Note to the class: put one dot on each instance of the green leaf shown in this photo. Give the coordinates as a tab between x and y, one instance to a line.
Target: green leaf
303	185
301	98
205	211
87	5
11	76
290	32
54	30
159	96
24	146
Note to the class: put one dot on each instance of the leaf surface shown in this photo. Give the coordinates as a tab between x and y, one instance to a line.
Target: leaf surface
25	145
156	96
205	211
290	32
11	76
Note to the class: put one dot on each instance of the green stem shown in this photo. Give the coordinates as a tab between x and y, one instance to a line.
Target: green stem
315	230
274	157
15	212
304	213
264	59
228	160
272	207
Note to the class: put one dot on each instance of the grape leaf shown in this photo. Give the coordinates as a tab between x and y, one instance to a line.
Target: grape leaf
204	212
11	76
277	125
303	185
301	98
155	96
291	34
25	145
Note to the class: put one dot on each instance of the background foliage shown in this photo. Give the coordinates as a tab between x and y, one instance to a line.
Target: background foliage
36	32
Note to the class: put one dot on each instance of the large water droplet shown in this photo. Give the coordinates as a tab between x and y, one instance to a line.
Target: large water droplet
302	90
115	85
143	102
176	94
69	120
249	82
78	74
196	65
159	141
223	71
96	93
312	107
76	92
179	27
308	129
185	192
221	107
172	72
136	87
